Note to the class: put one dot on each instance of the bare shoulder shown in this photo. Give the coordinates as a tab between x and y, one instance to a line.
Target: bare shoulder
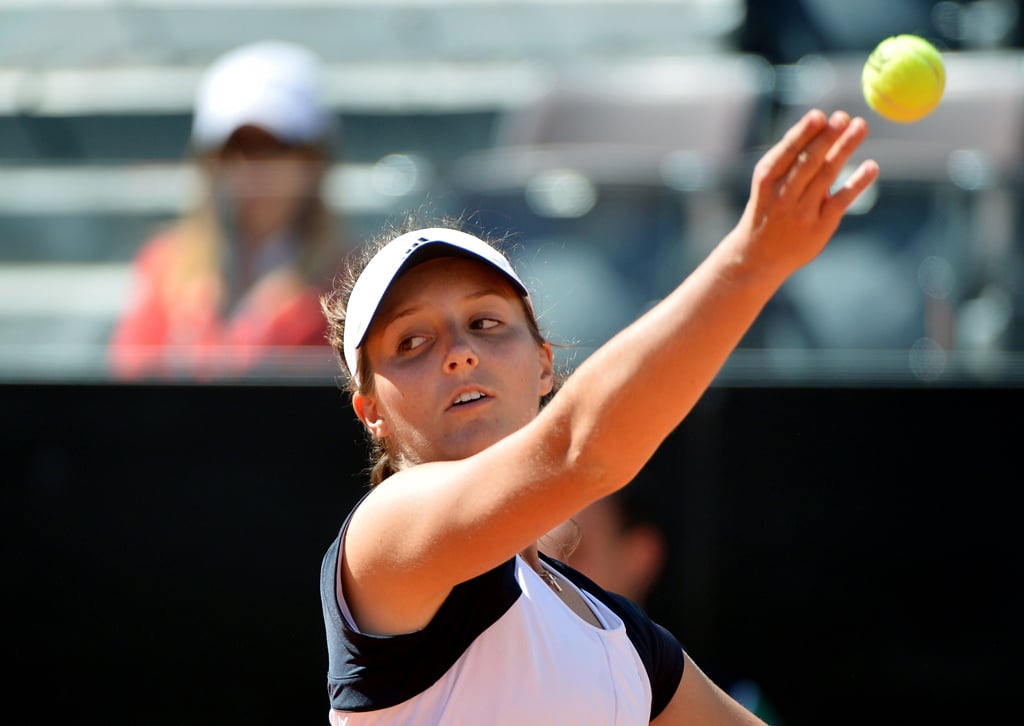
383	583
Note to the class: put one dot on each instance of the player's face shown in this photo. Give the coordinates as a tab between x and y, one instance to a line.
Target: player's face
455	365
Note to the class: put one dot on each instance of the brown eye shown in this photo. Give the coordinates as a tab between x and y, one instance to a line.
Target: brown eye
485	323
411	343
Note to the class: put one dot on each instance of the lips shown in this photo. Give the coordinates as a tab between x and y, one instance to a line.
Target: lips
468	397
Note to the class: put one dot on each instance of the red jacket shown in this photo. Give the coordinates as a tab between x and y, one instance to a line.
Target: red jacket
189	336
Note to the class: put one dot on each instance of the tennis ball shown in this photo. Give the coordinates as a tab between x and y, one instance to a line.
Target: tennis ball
904	78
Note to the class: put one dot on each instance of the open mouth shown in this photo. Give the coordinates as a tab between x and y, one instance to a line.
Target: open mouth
468	397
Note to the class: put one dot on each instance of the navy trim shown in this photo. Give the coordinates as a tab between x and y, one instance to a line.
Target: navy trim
383	671
372	672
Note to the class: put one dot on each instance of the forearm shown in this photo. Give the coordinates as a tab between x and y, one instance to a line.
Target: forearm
630	394
627	397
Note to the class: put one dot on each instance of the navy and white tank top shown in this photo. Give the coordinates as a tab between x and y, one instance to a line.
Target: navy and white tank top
502	650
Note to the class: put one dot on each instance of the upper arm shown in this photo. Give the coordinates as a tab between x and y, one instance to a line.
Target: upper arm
698	700
427	528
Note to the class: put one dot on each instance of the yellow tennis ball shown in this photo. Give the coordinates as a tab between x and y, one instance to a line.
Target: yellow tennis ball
904	78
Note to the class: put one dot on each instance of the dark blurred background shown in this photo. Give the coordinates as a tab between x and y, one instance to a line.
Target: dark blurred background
839	505
854	552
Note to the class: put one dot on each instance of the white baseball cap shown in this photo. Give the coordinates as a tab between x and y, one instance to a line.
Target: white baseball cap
274	85
395	257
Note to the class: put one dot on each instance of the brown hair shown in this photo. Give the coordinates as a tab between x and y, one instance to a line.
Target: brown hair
334	305
203	239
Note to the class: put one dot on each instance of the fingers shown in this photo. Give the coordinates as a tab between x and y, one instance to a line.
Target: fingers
837	204
814	169
804	165
778	161
792	211
818	192
820	177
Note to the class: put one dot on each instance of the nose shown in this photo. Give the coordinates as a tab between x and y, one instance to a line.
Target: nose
460	355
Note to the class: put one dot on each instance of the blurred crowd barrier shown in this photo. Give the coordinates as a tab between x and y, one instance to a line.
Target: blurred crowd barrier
614	140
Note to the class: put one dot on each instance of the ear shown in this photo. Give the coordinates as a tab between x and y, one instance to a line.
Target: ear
547	369
366	411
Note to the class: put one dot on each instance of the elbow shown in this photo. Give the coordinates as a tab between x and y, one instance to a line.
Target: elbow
598	469
592	461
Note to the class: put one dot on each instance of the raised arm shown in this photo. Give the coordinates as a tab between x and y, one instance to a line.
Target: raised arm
435	525
626	398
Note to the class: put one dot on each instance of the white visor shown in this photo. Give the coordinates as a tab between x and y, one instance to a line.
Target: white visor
399	255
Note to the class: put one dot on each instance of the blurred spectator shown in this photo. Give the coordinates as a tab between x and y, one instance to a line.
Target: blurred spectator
619	543
614	543
240	275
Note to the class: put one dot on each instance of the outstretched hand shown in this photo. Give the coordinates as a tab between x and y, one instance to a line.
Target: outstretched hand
792	211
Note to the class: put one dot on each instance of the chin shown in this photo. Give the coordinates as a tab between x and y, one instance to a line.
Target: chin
469	445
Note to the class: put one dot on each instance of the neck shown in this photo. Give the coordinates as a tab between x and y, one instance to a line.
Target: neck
532	556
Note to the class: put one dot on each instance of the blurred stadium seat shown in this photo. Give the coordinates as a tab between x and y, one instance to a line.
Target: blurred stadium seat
622	173
95	102
938	229
529	114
